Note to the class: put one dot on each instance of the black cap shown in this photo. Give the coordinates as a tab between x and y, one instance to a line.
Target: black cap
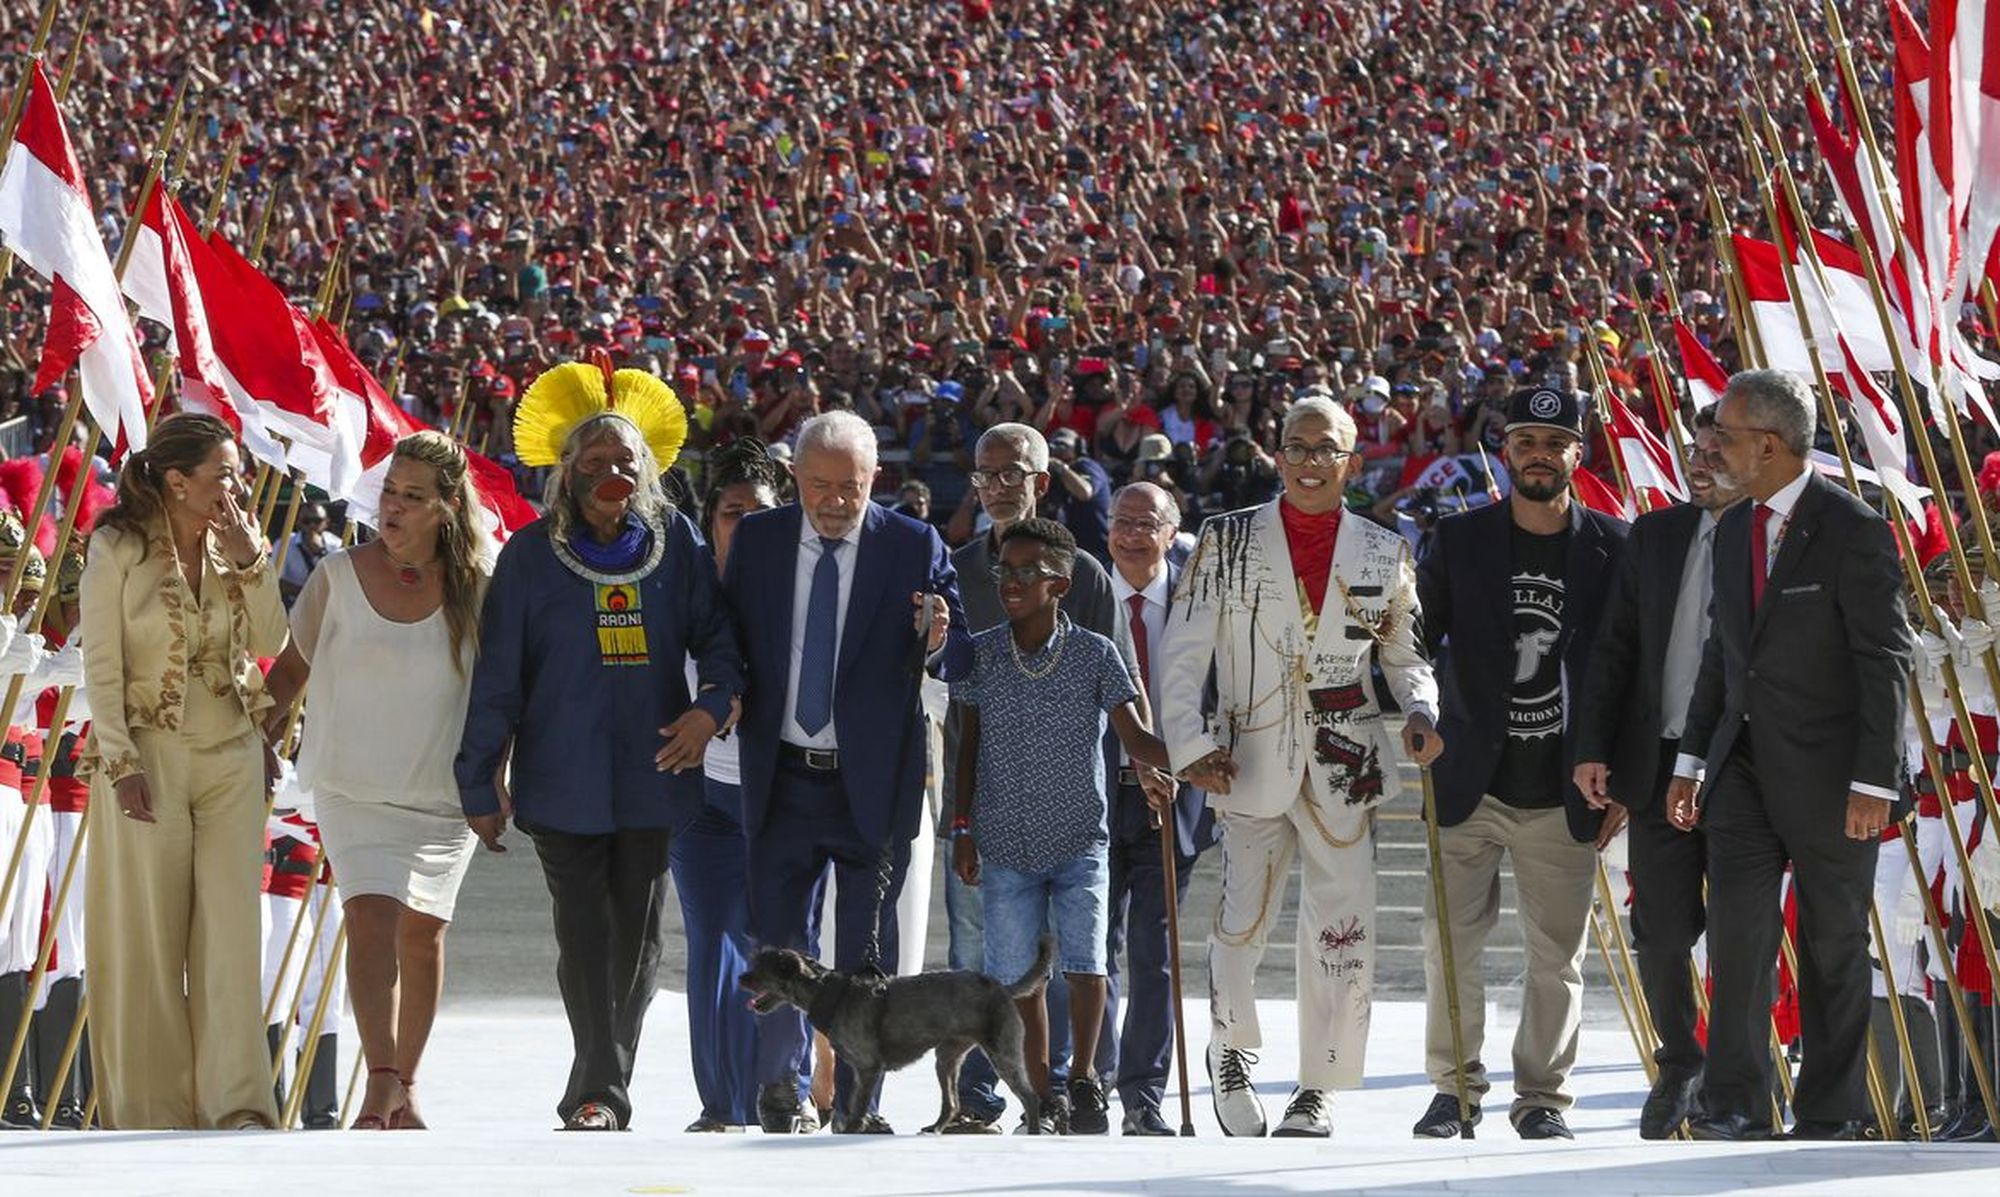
1546	407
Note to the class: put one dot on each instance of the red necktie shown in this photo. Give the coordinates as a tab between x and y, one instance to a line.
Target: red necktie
1138	604
1760	554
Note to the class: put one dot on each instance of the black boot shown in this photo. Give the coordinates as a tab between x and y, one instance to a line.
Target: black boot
322	1105
1972	1125
274	1038
19	1110
52	1030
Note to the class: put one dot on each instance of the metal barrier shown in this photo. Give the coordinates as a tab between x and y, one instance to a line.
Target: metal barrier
17	438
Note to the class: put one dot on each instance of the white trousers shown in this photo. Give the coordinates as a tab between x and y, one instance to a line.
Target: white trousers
279	915
66	827
21	922
1335	945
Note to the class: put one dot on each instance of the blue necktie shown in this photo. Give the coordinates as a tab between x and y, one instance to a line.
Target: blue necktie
822	626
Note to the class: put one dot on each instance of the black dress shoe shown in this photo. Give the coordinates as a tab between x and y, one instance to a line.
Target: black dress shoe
1970	1126
1669	1104
1540	1122
1441	1120
1146	1121
1828	1131
1727	1127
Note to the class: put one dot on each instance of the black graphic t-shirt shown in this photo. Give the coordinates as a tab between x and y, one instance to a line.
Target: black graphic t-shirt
1530	774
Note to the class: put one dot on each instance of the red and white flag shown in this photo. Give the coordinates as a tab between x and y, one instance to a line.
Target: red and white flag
162	278
1649	464
46	219
502	510
1763	276
1706	379
294	385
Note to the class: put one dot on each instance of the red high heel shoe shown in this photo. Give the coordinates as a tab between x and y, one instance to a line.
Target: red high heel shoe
382	1121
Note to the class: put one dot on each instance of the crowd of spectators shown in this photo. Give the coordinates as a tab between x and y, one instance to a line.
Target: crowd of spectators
1142	225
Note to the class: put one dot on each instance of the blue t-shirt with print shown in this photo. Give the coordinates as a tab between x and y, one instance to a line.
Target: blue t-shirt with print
1039	799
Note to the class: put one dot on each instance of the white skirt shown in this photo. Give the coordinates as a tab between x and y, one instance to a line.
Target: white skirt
377	849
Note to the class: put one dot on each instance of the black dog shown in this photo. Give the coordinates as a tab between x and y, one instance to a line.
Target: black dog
880	1025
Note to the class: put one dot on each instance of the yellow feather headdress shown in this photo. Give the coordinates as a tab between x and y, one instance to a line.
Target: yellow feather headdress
569	394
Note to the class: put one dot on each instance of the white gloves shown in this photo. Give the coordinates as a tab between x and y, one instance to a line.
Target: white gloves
1985	861
21	654
63	667
1908	924
1969	647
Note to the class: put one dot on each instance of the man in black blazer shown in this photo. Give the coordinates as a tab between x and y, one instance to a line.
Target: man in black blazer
1512	596
1629	721
1797	716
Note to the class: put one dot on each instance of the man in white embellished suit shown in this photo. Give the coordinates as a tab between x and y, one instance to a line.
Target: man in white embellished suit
1288	604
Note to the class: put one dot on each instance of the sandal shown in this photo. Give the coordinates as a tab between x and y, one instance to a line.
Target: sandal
406	1117
382	1121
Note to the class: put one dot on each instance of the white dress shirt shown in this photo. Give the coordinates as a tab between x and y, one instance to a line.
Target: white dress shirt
1780	520
802	580
1689	630
1153	617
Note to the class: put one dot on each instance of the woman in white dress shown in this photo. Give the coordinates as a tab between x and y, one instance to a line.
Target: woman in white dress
383	638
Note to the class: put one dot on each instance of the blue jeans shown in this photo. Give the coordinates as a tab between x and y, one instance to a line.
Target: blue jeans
1073	898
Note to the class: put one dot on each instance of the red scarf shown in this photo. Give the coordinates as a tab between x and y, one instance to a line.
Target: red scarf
1310	539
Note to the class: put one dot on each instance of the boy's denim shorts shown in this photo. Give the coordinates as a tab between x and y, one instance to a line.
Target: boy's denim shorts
1073	900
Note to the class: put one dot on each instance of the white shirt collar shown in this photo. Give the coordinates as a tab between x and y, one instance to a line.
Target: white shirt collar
1155	591
1781	504
810	535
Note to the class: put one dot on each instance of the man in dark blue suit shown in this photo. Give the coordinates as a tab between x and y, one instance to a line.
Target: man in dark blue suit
1144	521
833	742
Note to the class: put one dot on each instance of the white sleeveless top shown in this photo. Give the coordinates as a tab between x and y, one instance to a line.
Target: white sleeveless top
384	705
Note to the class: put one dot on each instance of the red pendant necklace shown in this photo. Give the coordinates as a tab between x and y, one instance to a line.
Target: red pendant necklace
406	573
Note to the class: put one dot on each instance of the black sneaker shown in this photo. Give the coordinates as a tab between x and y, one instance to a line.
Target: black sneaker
780	1112
1540	1122
1089	1113
1441	1120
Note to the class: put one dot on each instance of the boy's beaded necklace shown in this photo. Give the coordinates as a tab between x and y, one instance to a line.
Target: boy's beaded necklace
1054	648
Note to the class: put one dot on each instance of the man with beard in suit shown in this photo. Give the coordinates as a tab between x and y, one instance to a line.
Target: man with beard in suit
1634	704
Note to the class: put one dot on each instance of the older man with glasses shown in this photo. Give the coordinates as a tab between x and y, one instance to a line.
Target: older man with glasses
1287	606
1010	476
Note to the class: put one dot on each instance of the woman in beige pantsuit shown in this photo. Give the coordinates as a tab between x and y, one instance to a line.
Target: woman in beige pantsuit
179	601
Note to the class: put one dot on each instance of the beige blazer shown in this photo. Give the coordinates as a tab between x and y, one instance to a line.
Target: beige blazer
1292	699
136	616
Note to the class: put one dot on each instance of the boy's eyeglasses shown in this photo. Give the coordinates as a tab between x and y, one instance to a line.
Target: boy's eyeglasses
1296	454
1025	575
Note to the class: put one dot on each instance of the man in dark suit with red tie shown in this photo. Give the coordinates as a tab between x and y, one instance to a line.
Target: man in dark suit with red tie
1797	718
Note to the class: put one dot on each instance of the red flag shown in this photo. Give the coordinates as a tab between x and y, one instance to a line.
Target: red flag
72	329
1599	496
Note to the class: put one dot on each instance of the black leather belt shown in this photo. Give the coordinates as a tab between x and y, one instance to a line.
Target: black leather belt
1128	776
814	760
15	752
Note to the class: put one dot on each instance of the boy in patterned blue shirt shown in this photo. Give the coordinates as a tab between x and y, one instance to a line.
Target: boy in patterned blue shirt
1031	785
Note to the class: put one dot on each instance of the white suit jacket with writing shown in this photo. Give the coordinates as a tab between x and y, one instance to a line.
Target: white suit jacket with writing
1293	695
